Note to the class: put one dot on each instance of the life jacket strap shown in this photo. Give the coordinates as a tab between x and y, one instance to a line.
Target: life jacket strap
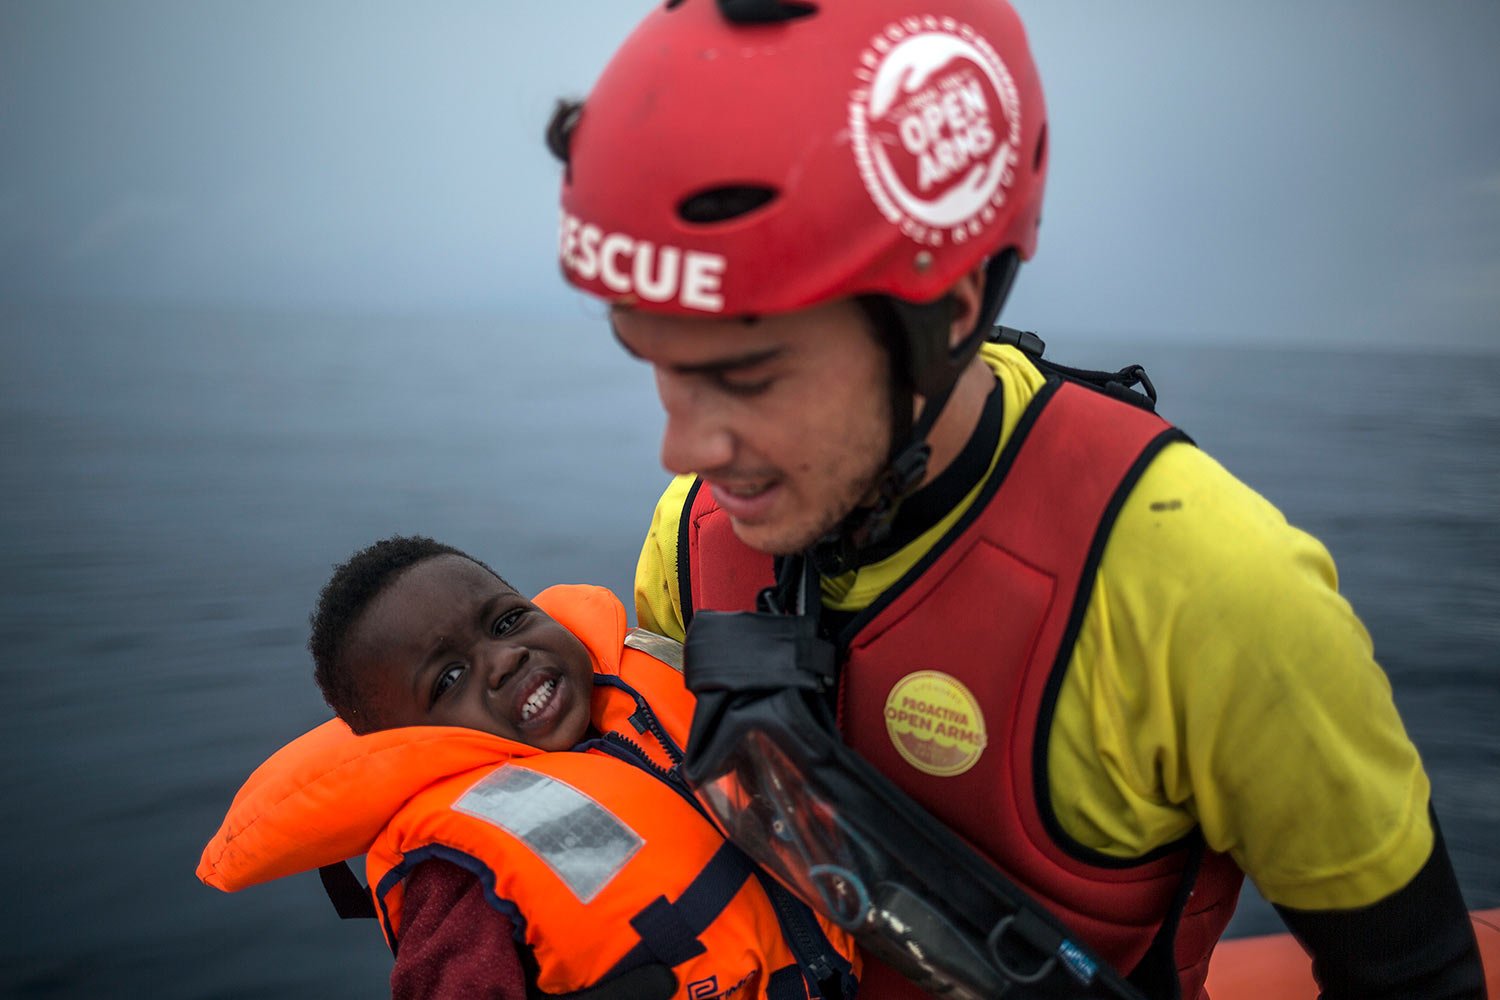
350	899
669	931
786	983
1118	384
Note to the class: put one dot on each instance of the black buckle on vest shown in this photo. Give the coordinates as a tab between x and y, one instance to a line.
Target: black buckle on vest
1024	341
1130	376
1118	384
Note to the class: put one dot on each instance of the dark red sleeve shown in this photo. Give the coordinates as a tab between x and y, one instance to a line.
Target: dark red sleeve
454	944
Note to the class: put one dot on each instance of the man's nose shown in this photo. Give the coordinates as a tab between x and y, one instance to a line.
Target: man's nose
697	436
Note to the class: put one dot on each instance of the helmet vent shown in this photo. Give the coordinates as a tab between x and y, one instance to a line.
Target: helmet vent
765	11
722	204
1041	150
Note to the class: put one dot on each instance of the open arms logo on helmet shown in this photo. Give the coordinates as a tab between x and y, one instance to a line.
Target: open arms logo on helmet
935	127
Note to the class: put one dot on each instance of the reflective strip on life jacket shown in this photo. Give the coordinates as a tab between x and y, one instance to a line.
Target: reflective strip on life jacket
554	820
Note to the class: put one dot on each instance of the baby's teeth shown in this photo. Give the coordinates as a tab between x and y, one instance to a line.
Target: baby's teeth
538	699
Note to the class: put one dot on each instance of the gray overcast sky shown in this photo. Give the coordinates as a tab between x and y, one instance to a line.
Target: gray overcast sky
1321	169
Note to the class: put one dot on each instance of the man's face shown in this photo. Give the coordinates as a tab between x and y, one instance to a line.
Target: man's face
786	418
448	644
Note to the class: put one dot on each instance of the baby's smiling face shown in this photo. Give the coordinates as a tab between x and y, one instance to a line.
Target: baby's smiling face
447	643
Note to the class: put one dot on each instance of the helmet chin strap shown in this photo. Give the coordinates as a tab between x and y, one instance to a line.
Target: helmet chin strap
922	362
865	526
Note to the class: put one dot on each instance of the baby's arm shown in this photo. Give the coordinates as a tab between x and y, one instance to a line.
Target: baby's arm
453	943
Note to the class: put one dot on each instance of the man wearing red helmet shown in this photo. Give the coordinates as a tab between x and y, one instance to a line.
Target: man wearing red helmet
1062	629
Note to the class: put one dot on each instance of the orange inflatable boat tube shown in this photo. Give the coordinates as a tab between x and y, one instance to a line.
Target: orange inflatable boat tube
1274	966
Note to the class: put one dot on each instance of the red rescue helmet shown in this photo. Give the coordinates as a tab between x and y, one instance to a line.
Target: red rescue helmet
753	157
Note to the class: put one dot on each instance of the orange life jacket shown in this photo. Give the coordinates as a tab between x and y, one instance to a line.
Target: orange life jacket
996	606
601	858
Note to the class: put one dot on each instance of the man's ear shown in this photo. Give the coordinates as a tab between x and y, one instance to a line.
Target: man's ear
967	295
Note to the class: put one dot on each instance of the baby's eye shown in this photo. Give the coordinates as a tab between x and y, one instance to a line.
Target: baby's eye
508	621
446	678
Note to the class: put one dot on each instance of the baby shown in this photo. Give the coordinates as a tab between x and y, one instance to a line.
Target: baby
509	769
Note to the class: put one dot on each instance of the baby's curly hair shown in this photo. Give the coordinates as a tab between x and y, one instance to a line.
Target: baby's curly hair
355	583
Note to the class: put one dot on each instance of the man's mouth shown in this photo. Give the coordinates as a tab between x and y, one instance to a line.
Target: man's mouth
747	500
745	491
538	699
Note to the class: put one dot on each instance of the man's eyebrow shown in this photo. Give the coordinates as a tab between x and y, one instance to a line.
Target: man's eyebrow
717	366
721	366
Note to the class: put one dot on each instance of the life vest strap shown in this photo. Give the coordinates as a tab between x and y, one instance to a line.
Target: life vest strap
350	899
669	931
786	983
1119	384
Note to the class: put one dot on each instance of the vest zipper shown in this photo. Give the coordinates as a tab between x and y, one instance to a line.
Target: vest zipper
639	757
645	720
811	956
628	750
793	917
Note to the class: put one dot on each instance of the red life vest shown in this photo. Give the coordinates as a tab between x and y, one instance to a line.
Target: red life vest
995	606
600	858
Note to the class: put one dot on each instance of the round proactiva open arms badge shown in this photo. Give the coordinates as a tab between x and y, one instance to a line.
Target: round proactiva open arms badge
935	723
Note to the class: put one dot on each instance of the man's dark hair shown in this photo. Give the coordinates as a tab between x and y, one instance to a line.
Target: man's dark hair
355	583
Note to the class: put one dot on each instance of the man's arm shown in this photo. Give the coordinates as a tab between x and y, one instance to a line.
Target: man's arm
1415	943
1229	684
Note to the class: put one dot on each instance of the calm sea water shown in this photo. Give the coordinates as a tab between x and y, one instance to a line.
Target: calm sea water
175	487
